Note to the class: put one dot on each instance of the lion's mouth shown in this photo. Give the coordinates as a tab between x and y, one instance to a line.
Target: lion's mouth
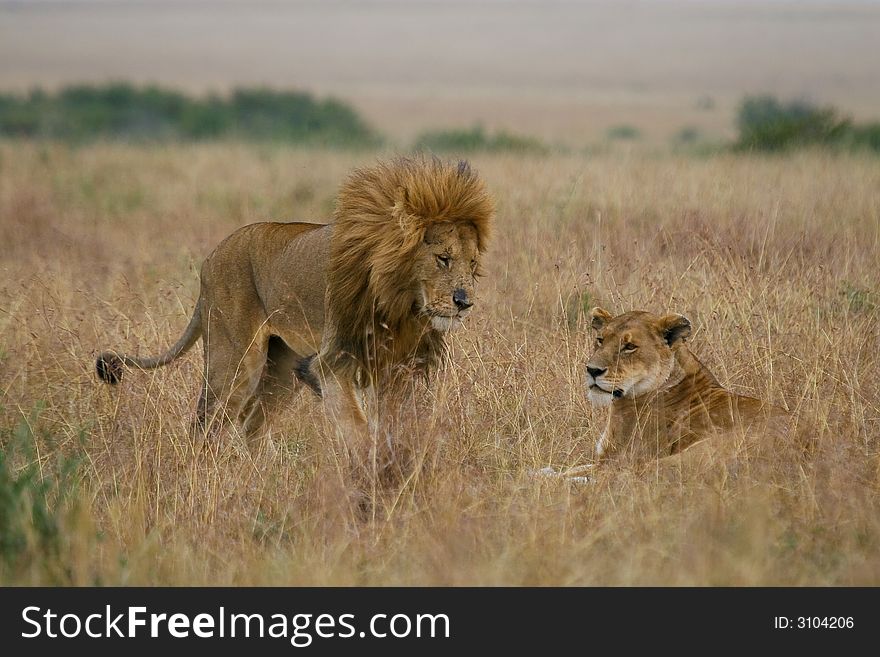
454	316
617	393
443	322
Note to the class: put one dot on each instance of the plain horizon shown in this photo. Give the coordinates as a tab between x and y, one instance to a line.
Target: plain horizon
567	74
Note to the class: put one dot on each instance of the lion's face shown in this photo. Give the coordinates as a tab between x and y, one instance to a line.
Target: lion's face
633	355
445	270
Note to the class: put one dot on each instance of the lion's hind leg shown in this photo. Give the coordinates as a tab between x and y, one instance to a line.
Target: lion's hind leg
275	389
232	375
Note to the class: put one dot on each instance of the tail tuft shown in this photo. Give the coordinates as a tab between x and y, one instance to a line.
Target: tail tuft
109	368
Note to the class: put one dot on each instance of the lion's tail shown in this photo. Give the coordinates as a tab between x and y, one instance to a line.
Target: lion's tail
109	365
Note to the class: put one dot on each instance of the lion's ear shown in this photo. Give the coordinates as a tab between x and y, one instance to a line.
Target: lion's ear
400	211
401	196
401	201
600	317
674	328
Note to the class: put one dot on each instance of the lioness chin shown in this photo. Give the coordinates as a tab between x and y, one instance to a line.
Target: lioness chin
361	303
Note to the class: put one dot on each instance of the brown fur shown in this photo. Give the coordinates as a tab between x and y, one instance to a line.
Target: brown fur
260	312
338	306
381	218
662	399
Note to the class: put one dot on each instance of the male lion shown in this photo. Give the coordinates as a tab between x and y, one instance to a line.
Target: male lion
662	400
362	302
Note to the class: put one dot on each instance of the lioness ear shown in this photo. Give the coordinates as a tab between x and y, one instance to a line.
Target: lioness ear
600	317
674	328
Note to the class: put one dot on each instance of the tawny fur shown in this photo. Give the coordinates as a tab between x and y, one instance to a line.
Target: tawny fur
662	400
339	306
381	218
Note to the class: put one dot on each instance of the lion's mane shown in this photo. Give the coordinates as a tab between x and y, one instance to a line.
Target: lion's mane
382	213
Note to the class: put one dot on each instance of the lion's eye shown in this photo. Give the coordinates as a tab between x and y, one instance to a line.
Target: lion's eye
599	341
629	347
443	261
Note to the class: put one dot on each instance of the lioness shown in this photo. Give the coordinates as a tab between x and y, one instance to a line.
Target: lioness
662	399
362	302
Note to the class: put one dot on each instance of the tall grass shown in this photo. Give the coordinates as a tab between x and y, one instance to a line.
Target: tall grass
773	259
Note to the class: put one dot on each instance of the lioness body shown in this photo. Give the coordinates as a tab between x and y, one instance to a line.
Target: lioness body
674	418
363	302
662	399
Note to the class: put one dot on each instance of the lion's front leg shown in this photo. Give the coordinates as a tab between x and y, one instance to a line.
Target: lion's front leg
378	432
344	409
404	426
349	426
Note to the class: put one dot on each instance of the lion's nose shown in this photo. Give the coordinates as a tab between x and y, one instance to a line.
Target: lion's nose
596	372
460	298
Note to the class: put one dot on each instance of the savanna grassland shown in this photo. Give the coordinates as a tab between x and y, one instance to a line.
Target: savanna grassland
774	259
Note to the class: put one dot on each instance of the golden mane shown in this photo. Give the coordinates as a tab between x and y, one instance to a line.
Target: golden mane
382	213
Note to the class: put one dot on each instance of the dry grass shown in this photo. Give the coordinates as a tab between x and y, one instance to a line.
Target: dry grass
774	259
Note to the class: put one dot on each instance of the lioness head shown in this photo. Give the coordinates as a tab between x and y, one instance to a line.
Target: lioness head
633	355
445	270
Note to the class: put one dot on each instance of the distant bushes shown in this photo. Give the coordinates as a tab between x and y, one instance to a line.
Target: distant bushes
123	111
686	136
625	132
768	124
476	139
866	135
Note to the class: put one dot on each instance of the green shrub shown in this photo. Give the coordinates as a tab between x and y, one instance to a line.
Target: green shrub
626	132
476	139
766	124
34	502
686	136
122	111
866	136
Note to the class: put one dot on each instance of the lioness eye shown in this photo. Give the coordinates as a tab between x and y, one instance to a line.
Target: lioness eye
443	261
599	341
629	347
